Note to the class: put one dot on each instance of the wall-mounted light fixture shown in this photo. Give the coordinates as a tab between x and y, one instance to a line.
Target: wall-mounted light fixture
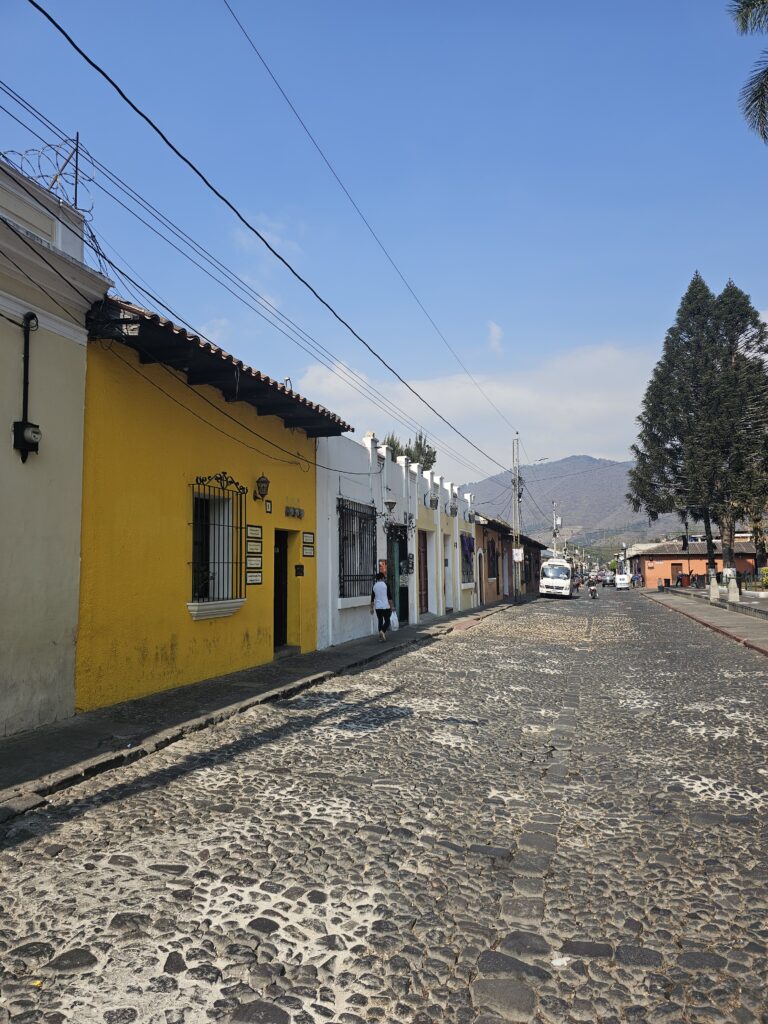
451	509
262	488
431	500
389	504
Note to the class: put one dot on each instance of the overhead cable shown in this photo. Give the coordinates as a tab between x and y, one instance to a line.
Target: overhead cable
247	224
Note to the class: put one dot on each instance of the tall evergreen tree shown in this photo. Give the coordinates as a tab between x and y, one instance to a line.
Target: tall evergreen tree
701	450
735	447
665	476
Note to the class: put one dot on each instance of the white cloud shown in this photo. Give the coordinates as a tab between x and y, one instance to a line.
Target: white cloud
218	331
495	338
577	402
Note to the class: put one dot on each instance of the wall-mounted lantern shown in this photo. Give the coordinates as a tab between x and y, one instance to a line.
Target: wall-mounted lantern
434	500
262	488
451	509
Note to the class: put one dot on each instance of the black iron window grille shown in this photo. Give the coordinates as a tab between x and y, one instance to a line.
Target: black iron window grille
467	558
218	538
357	548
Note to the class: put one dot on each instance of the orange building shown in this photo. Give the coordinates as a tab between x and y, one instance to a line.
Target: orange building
667	560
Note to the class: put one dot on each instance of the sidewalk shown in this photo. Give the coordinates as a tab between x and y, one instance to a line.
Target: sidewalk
43	761
751	630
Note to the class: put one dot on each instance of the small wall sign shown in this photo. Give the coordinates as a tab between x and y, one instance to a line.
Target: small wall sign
253	562
253	547
252	578
308	538
253	532
308	551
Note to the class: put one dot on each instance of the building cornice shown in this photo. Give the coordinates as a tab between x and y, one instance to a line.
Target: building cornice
56	324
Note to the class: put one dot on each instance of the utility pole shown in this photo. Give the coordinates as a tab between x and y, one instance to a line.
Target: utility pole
515	514
555	524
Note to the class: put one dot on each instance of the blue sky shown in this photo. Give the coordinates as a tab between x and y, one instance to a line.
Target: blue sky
547	176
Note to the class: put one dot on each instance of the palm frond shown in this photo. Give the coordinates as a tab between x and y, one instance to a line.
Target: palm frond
754	98
750	15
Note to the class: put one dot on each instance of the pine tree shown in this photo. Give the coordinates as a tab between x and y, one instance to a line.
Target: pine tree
702	446
665	477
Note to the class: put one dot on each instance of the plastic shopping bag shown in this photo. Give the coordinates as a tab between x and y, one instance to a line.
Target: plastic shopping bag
394	622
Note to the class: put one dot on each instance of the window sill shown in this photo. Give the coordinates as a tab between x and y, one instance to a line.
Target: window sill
468	586
352	602
214	609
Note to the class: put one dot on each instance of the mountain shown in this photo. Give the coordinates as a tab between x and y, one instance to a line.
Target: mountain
590	495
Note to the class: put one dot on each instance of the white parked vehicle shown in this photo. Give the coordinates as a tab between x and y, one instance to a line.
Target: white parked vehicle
622	581
556	578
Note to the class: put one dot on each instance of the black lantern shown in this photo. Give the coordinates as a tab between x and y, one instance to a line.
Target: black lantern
262	488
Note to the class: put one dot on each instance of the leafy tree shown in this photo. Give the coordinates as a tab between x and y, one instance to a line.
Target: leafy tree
420	450
752	16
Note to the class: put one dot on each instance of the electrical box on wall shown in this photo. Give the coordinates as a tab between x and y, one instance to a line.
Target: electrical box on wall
299	570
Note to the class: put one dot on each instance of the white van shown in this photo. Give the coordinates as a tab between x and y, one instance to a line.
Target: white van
556	578
622	581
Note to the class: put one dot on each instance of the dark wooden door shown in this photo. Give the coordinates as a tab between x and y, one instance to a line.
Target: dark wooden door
423	581
281	589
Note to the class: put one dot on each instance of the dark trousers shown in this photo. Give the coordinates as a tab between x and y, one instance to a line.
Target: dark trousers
383	615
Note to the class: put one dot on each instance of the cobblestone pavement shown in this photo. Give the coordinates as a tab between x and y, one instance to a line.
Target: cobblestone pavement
558	815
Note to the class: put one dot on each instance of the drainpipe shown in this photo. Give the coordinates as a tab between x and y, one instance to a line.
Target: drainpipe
26	435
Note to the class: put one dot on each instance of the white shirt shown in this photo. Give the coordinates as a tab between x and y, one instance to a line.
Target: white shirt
380	599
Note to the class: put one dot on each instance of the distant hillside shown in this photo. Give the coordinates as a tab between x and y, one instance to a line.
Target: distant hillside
590	498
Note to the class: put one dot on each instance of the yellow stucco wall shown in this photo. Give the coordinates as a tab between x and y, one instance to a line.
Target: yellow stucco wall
142	453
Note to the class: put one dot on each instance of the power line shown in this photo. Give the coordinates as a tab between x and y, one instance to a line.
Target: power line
346	374
362	216
246	223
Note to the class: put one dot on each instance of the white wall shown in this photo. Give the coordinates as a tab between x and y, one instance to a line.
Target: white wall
40	499
40	535
366	473
350	476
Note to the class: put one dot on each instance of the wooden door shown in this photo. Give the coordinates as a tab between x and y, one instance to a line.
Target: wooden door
423	581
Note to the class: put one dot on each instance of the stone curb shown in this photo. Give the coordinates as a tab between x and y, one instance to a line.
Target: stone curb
727	606
751	644
18	800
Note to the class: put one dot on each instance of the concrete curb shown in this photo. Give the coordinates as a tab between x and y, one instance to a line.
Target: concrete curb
759	648
18	800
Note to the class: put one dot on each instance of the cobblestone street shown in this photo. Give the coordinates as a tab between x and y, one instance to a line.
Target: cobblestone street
558	815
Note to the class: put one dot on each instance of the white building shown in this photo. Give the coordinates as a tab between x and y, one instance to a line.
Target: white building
376	514
45	292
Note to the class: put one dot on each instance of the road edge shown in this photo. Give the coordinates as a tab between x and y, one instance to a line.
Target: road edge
750	644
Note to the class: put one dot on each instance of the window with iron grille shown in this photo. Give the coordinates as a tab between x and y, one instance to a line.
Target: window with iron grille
357	548
467	558
218	538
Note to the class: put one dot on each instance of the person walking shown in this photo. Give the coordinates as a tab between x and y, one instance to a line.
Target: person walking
382	604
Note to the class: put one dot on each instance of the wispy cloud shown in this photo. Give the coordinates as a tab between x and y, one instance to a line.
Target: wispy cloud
558	406
495	338
218	330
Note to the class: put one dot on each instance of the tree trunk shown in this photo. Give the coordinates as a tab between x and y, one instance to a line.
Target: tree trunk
711	563
728	539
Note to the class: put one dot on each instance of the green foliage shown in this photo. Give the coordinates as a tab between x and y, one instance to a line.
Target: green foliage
420	450
752	16
764	577
701	450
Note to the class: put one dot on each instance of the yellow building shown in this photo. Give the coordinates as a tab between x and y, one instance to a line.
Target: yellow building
188	571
